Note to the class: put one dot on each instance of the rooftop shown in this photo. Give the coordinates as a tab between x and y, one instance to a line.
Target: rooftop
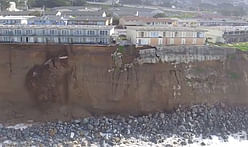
227	28
55	27
15	17
147	19
151	28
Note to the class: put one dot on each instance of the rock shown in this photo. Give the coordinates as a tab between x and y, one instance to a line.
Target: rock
151	129
77	121
190	141
183	143
162	115
90	127
85	121
53	132
117	139
128	132
72	135
203	144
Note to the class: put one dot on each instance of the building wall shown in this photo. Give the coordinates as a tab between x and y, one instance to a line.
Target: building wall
215	36
56	35
164	38
236	36
147	21
222	36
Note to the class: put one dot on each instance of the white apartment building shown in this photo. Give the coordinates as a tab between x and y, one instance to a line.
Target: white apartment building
73	34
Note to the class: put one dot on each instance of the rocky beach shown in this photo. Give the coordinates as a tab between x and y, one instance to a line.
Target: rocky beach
181	127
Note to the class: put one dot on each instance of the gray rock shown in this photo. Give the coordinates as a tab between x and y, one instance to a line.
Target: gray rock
162	115
85	121
90	127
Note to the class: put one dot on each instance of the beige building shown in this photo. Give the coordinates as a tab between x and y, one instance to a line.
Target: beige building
162	36
227	34
146	21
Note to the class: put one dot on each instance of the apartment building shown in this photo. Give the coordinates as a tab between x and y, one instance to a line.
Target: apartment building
227	34
146	21
223	23
84	20
162	36
47	20
15	20
72	34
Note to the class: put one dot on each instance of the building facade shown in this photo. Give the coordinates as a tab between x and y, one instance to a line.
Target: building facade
227	34
47	20
73	34
89	20
146	21
162	36
15	20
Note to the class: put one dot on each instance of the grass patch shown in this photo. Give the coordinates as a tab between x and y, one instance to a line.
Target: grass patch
121	49
243	46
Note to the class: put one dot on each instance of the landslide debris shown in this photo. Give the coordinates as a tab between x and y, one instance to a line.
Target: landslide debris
49	82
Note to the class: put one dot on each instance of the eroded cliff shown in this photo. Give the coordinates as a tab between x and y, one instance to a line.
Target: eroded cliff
49	82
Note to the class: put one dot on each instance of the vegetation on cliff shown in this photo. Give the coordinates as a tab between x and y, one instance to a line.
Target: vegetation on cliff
241	46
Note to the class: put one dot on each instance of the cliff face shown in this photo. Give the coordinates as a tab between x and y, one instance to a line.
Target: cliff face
49	82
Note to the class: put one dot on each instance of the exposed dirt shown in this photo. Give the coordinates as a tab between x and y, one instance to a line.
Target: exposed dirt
50	82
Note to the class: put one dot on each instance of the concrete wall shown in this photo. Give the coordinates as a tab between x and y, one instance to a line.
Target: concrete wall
184	54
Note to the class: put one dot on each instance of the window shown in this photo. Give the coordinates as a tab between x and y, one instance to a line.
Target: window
28	32
103	33
176	34
200	35
18	32
171	40
154	34
183	34
160	41
78	32
63	32
5	39
183	41
5	32
194	41
52	32
194	34
142	34
164	34
172	34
